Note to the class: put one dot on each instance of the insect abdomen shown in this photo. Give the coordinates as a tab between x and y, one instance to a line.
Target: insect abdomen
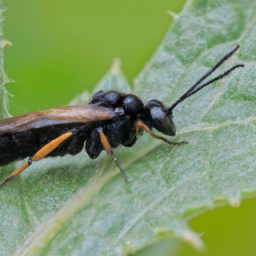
20	145
16	147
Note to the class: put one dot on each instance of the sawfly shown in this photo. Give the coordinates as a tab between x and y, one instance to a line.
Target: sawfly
109	119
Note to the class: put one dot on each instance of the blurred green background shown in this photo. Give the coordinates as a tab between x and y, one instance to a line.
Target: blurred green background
61	48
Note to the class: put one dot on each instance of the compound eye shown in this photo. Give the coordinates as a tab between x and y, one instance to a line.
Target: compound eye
132	104
161	119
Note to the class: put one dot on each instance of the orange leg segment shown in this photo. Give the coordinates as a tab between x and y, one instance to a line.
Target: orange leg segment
109	150
41	153
141	125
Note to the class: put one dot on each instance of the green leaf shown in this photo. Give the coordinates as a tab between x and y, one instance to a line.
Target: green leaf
73	205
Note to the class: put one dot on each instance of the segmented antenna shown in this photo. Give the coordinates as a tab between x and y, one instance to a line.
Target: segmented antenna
195	89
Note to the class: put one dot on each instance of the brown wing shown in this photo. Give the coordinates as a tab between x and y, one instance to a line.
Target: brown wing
56	116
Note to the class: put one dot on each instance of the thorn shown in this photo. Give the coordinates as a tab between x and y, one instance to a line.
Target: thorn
5	42
174	15
193	239
116	66
234	201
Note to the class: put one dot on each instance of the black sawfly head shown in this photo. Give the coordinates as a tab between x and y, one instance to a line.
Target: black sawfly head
161	115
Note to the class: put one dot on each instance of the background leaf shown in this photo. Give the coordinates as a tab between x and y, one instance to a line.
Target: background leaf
76	205
3	78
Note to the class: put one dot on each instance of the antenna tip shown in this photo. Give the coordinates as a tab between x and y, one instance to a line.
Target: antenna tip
240	65
233	51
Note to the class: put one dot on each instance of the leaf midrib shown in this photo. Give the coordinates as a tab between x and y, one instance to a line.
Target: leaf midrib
48	229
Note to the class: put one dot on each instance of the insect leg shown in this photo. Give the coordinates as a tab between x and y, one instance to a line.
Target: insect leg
141	125
109	150
41	153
